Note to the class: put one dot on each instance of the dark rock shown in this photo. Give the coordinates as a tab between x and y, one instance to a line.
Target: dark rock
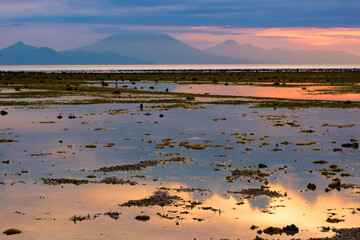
346	145
347	102
311	186
142	218
325	229
3	112
291	230
11	231
335	184
273	230
116	92
261	165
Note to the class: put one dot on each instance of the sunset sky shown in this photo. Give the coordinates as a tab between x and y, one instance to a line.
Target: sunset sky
288	24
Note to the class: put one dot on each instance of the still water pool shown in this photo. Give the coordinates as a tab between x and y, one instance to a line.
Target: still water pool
240	167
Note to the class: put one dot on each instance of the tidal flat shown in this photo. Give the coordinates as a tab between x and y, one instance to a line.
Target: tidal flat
174	155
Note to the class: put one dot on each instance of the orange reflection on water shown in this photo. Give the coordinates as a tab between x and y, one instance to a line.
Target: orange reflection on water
48	217
269	92
307	215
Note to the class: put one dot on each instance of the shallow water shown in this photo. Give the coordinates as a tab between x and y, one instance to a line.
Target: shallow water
308	93
236	136
57	99
301	92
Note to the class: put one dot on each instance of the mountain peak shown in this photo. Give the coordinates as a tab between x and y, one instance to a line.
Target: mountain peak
19	43
230	41
21	46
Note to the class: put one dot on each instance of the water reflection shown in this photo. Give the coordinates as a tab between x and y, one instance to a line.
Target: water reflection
44	213
311	92
270	92
55	99
136	137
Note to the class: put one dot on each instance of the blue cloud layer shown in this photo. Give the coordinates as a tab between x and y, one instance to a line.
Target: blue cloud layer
234	13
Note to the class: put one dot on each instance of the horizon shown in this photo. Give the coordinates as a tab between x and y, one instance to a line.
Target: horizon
290	25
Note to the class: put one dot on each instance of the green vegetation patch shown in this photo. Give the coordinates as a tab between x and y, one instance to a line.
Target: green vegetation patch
59	181
159	198
246	173
142	165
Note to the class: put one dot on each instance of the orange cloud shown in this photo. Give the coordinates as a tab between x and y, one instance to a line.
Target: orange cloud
341	39
200	27
314	36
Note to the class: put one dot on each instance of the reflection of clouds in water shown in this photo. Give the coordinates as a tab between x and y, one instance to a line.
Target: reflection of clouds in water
27	121
234	221
307	211
259	202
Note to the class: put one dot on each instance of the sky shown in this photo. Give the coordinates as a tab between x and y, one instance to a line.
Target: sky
287	24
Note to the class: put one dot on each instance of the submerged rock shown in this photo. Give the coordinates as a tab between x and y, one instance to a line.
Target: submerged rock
273	230
12	231
143	218
311	186
3	112
291	230
261	165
